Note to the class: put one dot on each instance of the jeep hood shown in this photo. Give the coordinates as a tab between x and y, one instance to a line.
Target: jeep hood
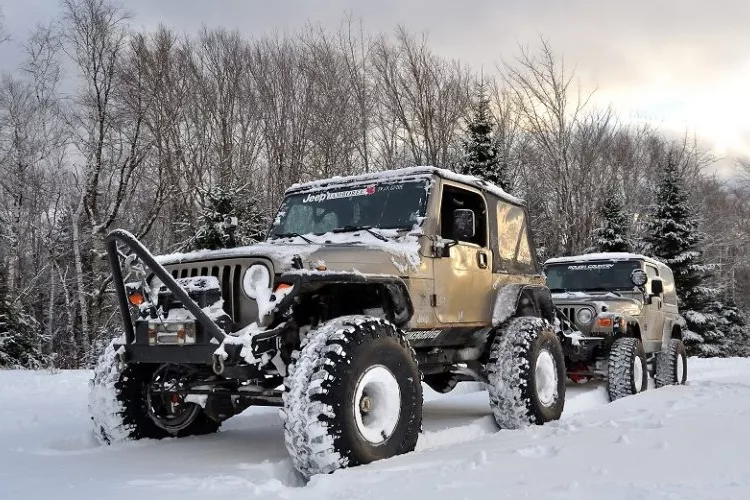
625	304
349	252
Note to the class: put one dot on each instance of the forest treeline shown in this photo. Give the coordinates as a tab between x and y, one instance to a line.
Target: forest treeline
105	126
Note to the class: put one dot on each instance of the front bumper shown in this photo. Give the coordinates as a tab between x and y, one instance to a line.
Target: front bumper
195	354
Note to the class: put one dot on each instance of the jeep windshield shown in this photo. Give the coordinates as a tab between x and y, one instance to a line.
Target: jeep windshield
590	276
372	206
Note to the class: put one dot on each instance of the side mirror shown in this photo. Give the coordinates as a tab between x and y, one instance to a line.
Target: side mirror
657	287
639	277
464	224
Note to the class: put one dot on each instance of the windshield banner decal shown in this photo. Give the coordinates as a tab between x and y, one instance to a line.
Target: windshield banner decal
335	195
586	267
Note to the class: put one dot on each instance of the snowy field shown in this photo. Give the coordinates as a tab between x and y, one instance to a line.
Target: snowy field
690	442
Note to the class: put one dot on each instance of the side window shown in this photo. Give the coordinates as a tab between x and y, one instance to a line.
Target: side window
513	236
670	292
652	273
455	198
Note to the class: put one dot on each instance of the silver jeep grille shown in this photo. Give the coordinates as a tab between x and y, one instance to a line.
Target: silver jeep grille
570	313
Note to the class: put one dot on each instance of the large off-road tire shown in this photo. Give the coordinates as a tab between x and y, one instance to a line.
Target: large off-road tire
526	374
627	373
118	403
353	395
671	365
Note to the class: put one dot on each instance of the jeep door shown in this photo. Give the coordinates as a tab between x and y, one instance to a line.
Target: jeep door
463	275
654	314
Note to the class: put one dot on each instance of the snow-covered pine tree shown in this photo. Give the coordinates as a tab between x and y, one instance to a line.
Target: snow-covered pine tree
673	238
20	346
227	218
613	235
480	146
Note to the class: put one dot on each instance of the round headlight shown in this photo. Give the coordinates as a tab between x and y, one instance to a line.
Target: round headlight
584	316
256	280
639	277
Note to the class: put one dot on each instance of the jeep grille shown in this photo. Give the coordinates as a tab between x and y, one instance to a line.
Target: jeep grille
230	278
570	313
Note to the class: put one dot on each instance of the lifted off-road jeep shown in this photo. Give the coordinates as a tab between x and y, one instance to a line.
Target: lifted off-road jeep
365	286
621	312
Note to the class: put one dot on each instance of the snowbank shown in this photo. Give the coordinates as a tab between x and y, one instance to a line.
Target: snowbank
678	442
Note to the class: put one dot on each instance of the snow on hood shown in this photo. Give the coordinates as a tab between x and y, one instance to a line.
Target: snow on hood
279	250
403	248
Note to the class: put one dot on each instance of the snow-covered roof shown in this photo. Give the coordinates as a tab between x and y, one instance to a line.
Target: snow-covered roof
404	174
614	256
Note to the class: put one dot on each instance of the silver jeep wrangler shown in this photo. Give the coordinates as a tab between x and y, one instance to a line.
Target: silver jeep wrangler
620	318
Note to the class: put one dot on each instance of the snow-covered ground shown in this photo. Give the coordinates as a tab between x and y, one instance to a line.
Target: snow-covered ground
689	442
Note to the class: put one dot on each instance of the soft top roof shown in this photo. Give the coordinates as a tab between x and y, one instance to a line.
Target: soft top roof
401	174
613	256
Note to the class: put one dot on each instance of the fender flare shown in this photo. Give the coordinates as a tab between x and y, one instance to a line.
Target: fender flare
669	327
512	298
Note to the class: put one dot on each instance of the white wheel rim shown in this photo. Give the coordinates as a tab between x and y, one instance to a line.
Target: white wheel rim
680	369
637	374
545	378
377	404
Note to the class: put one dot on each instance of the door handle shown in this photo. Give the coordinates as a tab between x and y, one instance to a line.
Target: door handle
482	260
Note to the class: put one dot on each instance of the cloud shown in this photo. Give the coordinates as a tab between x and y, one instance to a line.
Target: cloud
682	62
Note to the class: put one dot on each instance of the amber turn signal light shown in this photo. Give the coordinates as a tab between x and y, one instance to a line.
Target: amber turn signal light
136	298
604	322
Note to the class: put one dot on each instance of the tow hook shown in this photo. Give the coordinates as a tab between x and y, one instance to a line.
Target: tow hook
218	364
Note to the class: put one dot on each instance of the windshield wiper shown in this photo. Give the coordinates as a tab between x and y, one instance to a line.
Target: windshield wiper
292	235
558	290
369	229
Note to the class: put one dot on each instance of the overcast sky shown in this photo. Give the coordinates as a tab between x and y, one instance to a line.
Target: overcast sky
682	64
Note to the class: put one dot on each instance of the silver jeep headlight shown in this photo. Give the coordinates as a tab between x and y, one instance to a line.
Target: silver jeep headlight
257	279
584	316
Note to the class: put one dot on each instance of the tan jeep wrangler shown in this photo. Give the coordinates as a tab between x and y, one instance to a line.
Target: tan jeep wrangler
619	311
365	286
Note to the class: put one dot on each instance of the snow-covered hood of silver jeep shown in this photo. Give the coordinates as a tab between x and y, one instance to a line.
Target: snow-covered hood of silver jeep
626	303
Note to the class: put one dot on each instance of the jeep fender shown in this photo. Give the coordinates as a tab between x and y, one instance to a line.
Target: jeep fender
310	282
522	299
672	329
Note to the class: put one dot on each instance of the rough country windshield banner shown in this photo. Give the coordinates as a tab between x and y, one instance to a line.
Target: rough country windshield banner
385	205
591	276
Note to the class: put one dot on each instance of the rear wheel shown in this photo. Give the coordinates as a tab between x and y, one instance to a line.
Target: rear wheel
353	395
626	368
671	364
526	374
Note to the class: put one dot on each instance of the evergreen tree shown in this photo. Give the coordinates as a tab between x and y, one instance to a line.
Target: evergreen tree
613	234
19	343
673	238
227	218
480	147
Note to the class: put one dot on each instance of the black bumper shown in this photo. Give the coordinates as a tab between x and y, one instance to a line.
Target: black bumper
197	354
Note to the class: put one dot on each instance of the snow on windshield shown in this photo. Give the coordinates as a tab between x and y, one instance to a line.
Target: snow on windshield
387	205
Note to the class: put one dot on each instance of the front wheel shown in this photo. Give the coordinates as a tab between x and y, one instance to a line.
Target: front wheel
353	395
626	368
139	402
526	374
